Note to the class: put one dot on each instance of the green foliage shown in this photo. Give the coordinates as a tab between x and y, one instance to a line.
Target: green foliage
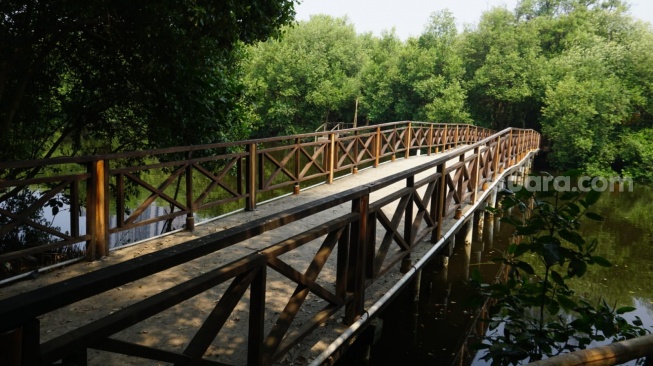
96	77
25	236
537	313
307	78
636	152
102	77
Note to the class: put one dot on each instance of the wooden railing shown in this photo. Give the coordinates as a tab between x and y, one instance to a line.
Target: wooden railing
236	173
612	354
422	206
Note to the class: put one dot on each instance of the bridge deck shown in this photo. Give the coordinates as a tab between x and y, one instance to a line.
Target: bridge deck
292	268
175	327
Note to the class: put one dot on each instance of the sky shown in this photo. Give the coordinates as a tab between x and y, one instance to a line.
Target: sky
409	17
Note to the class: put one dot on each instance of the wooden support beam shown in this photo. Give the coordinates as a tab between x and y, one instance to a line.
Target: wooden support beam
475	176
190	218
407	135
377	147
97	209
250	177
332	156
612	354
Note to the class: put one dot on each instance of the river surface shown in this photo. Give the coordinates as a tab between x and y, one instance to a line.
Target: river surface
436	333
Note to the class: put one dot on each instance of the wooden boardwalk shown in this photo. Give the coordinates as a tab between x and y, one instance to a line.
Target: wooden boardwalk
274	285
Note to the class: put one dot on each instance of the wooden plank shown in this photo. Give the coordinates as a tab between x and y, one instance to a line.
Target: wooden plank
256	324
131	349
342	263
300	239
297	335
219	315
42	248
17	309
291	309
25	214
287	271
408	218
95	331
156	193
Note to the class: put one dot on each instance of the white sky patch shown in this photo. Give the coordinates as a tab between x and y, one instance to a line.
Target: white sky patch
409	17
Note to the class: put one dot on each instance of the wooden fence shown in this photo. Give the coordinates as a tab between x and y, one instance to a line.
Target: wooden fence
360	260
237	173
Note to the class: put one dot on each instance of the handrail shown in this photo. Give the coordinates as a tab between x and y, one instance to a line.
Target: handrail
240	172
612	354
360	260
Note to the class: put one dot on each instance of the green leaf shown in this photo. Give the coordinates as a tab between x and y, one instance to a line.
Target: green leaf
555	276
528	229
512	221
573	209
594	216
569	195
476	275
521	249
626	309
572	237
566	303
525	267
576	268
592	197
492	210
601	261
553	307
551	253
574	173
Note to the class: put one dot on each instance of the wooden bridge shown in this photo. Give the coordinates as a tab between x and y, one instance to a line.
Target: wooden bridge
261	288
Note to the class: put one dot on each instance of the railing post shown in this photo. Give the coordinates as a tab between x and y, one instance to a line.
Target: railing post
332	158
445	138
477	165
495	168
356	272
21	346
377	147
430	144
455	138
120	200
250	177
408	224
437	203
509	157
256	337
408	140
467	139
354	169
97	208
297	166
190	218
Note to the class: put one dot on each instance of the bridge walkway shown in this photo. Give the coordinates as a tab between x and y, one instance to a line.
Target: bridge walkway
300	281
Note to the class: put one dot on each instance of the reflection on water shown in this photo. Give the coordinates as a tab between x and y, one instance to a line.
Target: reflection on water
445	320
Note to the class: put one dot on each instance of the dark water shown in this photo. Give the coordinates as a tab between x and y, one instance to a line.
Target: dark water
436	333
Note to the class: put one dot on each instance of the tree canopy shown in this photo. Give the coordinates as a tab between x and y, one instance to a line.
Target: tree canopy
579	71
102	76
96	77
